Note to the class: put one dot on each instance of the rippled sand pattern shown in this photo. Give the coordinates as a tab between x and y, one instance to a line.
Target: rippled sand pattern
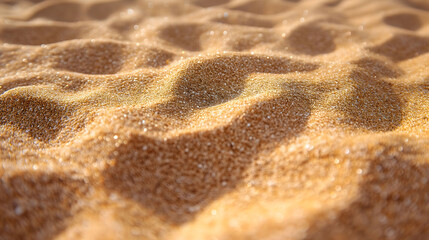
214	119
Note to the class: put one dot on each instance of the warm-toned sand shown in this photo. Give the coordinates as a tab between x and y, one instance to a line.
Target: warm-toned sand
214	119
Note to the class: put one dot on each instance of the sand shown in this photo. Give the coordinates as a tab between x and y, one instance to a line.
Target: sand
222	119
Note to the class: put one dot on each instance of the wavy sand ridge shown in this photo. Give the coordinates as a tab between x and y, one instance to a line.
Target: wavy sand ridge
224	119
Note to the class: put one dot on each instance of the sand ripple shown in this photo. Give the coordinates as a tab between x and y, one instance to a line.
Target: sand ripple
226	119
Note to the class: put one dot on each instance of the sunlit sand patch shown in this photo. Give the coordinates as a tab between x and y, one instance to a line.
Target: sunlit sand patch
214	119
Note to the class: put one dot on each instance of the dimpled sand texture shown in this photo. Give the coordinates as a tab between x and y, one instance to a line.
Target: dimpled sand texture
214	119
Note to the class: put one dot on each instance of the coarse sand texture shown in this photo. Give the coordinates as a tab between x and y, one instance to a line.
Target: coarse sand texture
214	119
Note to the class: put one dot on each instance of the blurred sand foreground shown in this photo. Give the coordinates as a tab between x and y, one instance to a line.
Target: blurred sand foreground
223	119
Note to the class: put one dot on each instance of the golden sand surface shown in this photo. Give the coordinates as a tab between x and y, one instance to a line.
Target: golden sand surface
214	119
